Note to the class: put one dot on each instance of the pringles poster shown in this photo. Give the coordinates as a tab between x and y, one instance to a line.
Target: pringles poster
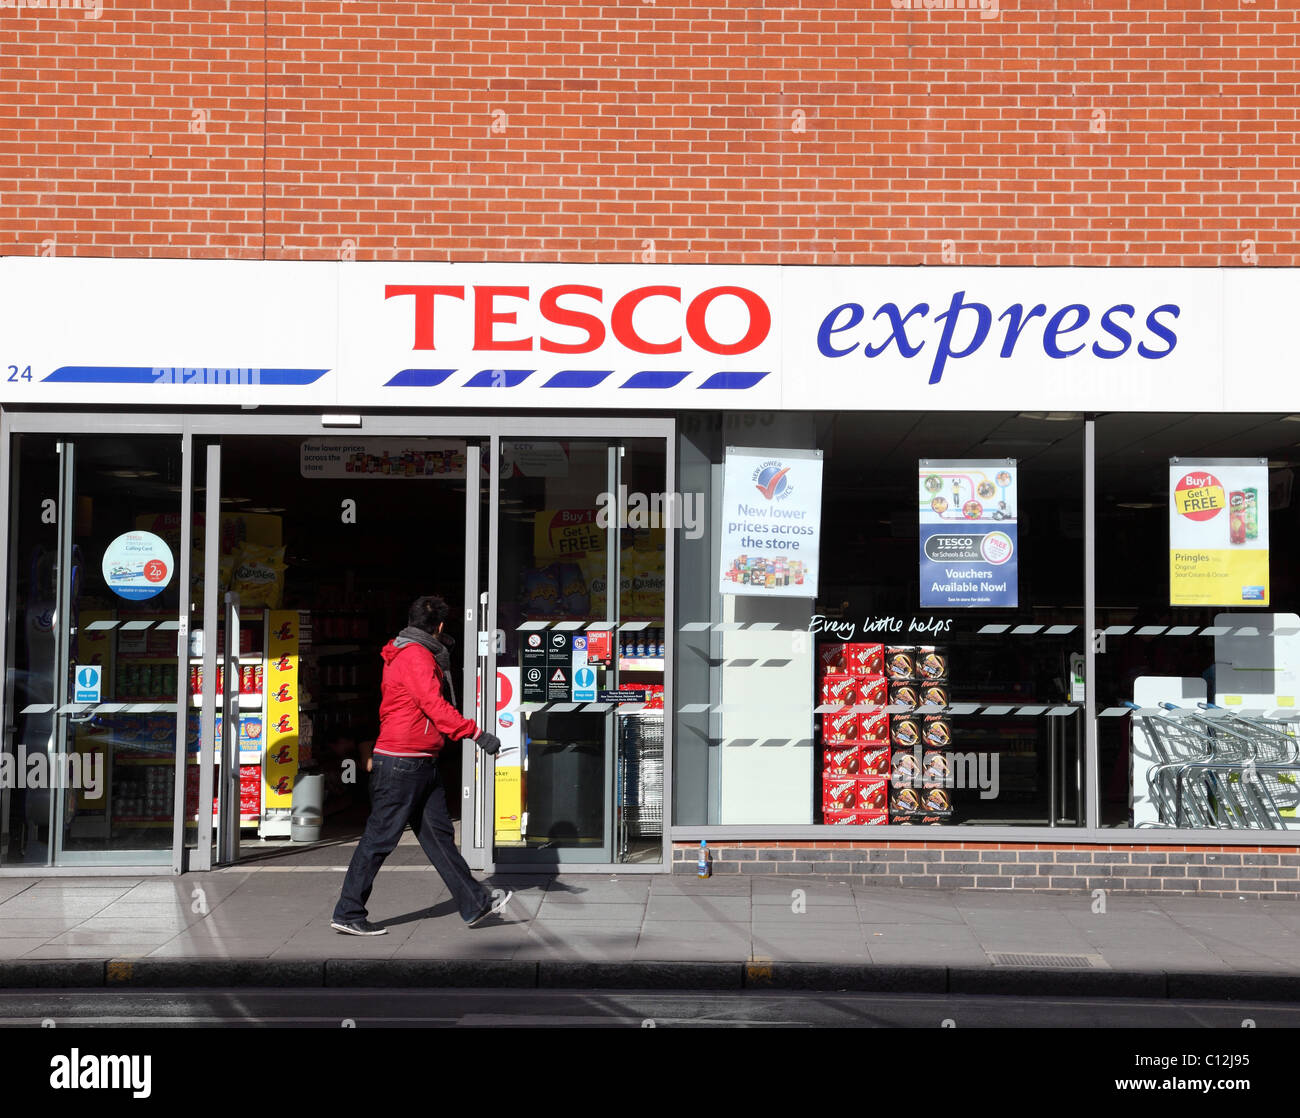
1218	532
970	550
771	522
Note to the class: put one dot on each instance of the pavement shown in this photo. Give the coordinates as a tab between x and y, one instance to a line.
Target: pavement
266	924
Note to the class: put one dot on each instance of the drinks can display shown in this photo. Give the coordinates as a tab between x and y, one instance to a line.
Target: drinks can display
1250	512
1237	517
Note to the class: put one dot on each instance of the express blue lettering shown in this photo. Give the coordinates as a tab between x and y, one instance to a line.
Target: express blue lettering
1160	330
899	330
1054	329
1018	323
1115	330
829	327
984	318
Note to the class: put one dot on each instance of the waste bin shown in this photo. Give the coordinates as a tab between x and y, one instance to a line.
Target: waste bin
307	811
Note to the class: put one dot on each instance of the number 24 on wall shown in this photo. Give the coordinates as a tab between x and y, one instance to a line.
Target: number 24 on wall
14	374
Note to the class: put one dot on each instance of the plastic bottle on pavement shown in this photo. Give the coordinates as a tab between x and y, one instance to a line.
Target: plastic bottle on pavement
703	867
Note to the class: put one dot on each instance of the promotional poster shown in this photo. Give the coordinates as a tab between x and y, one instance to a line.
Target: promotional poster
1218	532
771	522
969	545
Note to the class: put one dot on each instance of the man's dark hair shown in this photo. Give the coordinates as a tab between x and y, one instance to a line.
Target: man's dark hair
427	613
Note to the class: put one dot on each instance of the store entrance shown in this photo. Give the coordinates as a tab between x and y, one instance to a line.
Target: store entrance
581	563
195	620
323	543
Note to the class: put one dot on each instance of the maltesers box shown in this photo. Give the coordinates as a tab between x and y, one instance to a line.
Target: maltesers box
839	725
873	758
839	689
864	659
873	793
831	658
872	690
873	725
873	818
839	793
841	818
841	760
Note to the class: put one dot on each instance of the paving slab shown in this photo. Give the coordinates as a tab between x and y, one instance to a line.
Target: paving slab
282	913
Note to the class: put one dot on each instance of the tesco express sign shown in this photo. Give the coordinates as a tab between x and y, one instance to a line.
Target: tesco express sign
954	330
382	334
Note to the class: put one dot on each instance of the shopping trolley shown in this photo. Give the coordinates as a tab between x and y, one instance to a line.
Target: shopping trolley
1219	769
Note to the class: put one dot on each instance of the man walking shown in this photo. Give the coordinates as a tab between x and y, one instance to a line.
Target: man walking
417	717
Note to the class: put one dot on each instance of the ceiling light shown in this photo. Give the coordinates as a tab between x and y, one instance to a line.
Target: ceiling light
1052	416
1136	505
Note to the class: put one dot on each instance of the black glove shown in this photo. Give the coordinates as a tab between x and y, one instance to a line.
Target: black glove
488	742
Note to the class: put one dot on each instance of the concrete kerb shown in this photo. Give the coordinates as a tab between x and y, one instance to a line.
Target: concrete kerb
71	974
429	973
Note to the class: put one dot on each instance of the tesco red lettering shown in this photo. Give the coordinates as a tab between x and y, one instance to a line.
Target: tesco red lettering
486	317
489	315
620	321
760	321
581	320
424	296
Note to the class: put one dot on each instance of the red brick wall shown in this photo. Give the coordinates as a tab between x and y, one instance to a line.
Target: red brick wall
656	130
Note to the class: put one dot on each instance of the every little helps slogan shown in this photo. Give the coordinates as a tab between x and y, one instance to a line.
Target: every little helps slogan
969	546
1218	532
771	522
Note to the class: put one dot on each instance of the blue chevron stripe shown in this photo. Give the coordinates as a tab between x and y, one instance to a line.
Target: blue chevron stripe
139	374
733	380
498	378
577	378
656	378
418	378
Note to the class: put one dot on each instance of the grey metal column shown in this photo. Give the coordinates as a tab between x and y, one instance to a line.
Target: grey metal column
670	644
8	542
183	651
487	764
471	839
57	742
202	858
228	770
1093	800
614	759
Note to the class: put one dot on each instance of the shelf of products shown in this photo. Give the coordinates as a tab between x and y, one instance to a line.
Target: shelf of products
878	767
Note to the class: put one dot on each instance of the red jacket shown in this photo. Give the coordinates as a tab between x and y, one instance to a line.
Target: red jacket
414	716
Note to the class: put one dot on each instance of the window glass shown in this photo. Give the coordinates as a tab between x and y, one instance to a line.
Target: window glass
786	710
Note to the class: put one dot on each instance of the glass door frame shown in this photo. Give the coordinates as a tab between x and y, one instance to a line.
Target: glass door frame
483	434
613	430
67	428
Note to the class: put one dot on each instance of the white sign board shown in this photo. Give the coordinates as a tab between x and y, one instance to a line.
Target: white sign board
771	522
382	458
404	336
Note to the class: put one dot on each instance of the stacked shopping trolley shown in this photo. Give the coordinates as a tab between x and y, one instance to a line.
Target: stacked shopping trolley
1213	767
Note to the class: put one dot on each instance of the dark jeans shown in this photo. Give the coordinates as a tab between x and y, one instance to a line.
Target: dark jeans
407	790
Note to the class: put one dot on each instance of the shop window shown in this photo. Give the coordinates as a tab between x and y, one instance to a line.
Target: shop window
899	690
1198	622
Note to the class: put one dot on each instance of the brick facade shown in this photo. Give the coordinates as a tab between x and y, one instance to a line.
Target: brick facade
1239	871
1140	133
